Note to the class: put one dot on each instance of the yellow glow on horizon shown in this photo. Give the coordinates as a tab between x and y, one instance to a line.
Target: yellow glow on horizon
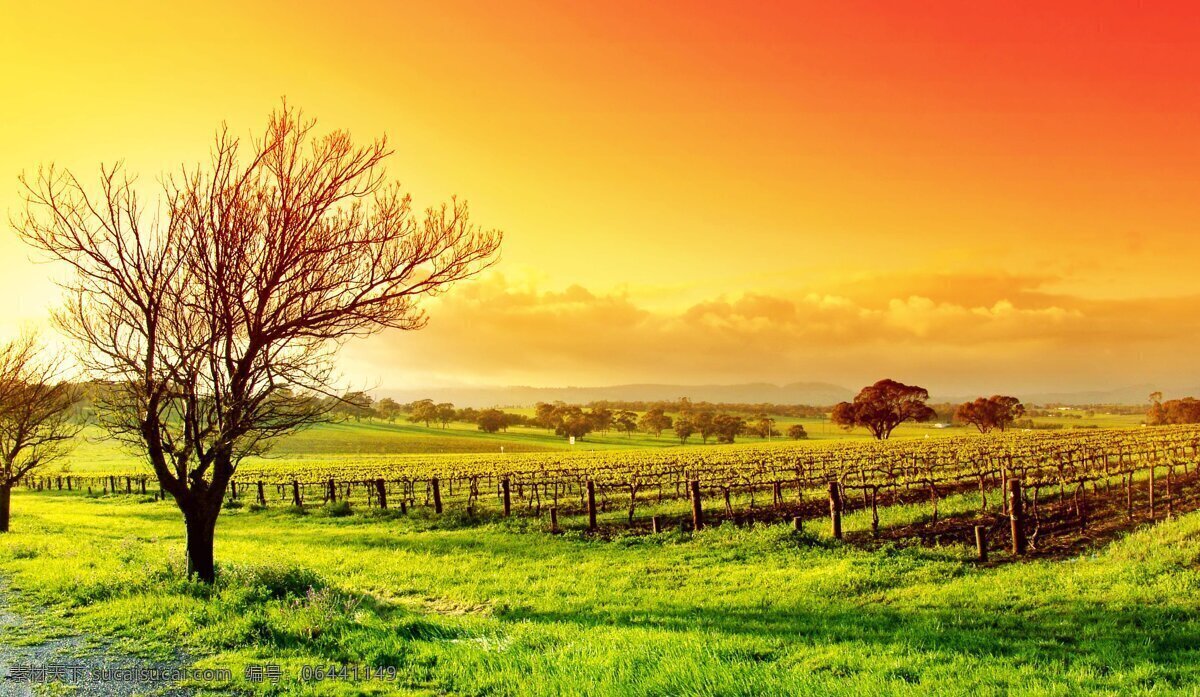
677	157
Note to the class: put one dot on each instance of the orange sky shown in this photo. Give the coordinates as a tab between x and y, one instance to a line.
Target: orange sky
974	196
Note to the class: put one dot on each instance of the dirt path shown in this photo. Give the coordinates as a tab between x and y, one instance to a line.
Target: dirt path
73	659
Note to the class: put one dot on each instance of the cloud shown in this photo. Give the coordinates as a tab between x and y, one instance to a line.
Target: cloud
955	332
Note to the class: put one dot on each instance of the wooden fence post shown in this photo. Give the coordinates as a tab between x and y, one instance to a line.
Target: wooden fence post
262	494
1016	514
1129	495
1152	468
591	505
332	494
697	511
554	519
437	495
1170	496
655	525
296	500
1004	486
1080	495
506	489
875	512
798	523
981	542
381	493
835	509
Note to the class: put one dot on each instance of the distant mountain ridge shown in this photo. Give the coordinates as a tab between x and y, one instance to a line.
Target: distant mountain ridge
809	393
816	393
1136	394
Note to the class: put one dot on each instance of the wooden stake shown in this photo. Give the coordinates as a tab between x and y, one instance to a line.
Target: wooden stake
875	512
697	512
381	493
591	505
1152	492
835	509
1016	508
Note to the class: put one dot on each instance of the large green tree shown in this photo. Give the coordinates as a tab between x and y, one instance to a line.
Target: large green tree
655	421
881	407
988	413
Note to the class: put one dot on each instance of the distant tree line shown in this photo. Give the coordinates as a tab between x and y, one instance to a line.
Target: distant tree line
360	405
684	405
572	420
879	408
1172	411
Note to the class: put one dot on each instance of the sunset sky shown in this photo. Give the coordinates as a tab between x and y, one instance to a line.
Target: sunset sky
971	196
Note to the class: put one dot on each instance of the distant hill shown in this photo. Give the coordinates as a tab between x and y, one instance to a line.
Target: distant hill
809	393
1130	396
813	393
1137	394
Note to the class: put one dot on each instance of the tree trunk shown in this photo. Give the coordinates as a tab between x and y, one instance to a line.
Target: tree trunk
201	531
5	505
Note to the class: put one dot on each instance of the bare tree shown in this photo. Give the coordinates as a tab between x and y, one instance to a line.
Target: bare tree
217	314
35	416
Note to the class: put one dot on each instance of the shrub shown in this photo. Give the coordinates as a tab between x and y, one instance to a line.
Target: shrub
338	509
273	580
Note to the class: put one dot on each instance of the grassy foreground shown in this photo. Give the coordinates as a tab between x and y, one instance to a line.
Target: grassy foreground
503	608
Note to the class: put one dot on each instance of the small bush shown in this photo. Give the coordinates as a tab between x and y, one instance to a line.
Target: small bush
317	612
271	580
337	509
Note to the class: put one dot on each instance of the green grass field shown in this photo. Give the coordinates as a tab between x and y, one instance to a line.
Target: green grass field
503	608
93	452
